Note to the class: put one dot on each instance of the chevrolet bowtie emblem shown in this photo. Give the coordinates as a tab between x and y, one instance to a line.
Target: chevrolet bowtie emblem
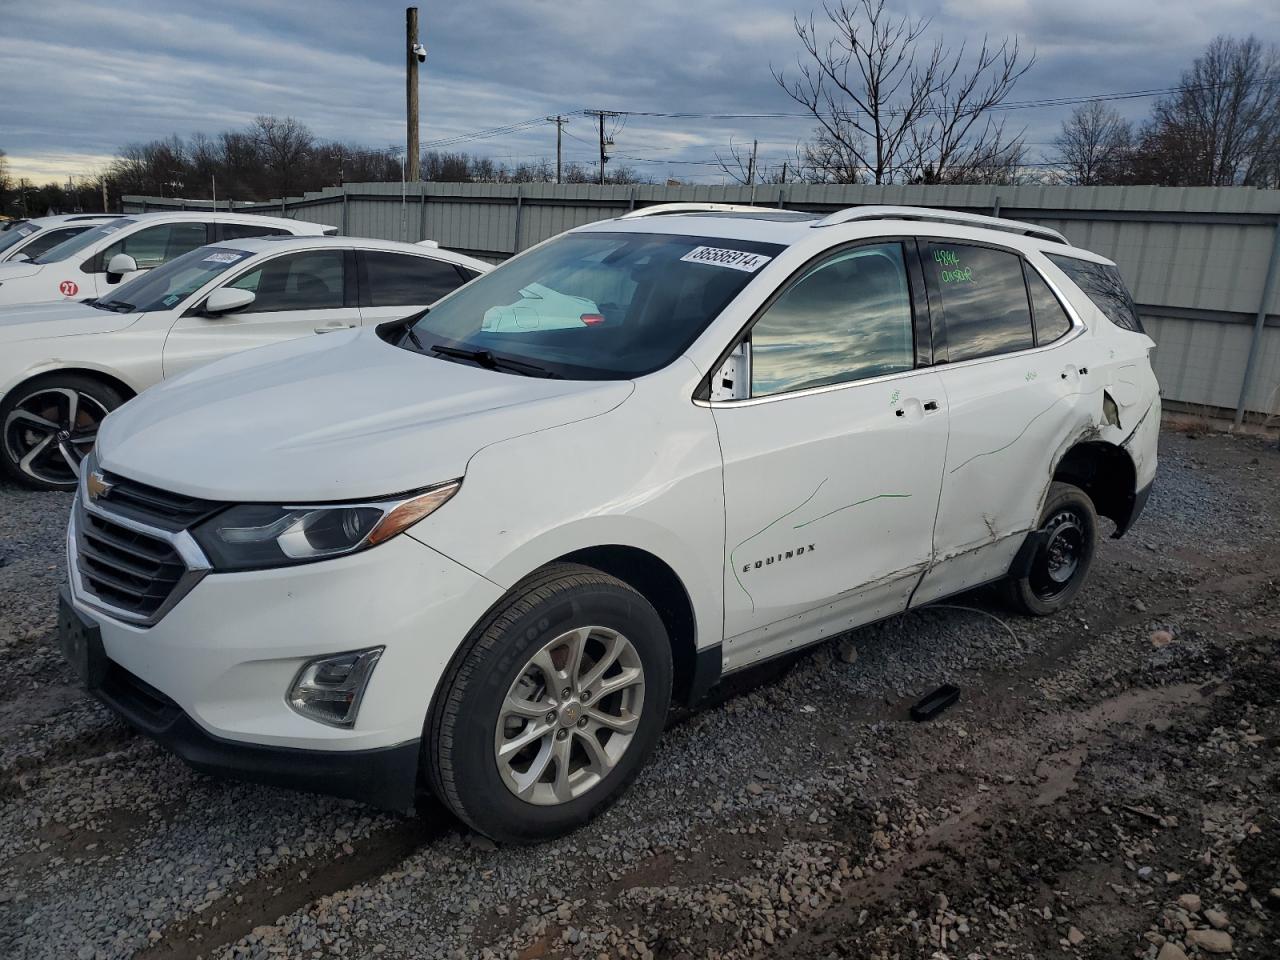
98	486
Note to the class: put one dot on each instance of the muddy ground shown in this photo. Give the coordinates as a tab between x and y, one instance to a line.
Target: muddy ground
1108	786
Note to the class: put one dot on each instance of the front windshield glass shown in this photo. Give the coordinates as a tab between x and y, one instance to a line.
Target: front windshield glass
592	306
13	236
167	286
82	241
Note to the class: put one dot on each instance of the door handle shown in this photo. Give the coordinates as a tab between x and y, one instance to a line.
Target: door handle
334	327
931	406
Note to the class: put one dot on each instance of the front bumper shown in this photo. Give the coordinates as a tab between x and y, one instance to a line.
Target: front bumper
384	777
209	679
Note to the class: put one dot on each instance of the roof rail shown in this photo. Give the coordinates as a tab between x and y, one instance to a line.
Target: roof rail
880	212
661	209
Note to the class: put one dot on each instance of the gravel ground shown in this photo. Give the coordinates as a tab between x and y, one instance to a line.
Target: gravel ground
1106	788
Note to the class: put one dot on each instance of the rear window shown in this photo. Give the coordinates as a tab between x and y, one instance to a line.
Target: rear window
1101	283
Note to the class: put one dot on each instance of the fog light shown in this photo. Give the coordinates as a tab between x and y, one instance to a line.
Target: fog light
329	689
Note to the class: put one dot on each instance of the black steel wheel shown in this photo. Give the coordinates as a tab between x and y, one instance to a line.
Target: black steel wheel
49	425
1061	565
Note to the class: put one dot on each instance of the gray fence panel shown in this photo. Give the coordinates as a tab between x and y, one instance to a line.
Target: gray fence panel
1195	258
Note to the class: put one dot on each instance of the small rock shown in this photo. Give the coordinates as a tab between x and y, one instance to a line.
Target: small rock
1075	937
1139	606
1145	873
754	789
1161	638
1217	919
1171	951
1190	902
847	651
1210	941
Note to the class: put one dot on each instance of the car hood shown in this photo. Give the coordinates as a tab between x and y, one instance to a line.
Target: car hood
19	270
338	417
34	321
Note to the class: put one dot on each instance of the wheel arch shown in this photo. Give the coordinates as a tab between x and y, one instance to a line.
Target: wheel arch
1107	474
126	390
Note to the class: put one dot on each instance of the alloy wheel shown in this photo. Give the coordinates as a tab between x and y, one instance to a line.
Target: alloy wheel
570	715
49	432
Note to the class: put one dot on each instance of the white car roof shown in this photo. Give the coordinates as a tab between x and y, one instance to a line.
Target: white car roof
278	244
793	227
297	227
64	219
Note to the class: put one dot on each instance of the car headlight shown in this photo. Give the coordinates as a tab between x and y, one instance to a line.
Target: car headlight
251	536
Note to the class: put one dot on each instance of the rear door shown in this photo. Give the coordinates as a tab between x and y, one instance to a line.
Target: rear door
395	285
298	294
1013	387
832	466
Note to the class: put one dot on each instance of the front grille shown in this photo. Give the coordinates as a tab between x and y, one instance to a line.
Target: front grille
130	571
171	511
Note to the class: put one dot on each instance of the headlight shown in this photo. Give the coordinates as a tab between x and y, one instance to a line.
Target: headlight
255	536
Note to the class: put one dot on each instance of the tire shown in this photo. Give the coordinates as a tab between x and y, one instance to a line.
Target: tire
1061	566
500	771
48	424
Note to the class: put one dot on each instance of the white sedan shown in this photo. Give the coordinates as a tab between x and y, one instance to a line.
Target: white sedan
90	264
28	239
64	366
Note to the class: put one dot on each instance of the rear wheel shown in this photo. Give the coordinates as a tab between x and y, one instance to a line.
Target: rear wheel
1061	565
560	695
47	426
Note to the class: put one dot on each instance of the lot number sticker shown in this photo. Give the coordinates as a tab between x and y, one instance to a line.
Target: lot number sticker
223	257
68	288
733	259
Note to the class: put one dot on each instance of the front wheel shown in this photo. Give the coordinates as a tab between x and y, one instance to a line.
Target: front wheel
47	426
1061	564
559	696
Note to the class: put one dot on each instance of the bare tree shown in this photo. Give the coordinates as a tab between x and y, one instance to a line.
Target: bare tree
1094	146
284	146
890	107
1222	127
4	181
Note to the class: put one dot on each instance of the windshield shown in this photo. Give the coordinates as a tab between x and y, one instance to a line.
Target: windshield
167	286
13	236
592	306
82	241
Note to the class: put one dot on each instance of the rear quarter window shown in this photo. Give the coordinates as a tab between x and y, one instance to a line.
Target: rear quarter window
1102	284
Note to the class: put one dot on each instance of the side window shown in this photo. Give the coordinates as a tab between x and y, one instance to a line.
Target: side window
983	298
50	239
297	281
1051	319
242	231
1102	284
847	318
399	280
153	246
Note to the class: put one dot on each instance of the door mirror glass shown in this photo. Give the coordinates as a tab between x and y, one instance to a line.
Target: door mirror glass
226	299
121	264
20	258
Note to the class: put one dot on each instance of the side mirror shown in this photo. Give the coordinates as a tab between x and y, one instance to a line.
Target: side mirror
19	258
733	380
226	299
120	264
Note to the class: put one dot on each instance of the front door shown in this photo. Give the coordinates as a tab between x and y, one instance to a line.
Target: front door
398	285
296	295
149	247
832	467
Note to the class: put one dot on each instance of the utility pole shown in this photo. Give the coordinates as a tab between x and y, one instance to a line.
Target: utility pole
414	53
22	183
213	189
105	208
604	157
751	164
559	121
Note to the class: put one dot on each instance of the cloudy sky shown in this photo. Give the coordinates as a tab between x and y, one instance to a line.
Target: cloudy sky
80	78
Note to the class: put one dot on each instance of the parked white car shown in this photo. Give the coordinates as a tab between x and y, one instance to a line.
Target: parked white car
91	263
487	560
65	366
28	239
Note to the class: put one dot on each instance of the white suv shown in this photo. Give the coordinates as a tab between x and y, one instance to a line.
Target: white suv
91	263
65	366
484	549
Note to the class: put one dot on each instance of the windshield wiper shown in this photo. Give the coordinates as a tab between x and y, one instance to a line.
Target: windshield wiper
483	358
412	335
115	306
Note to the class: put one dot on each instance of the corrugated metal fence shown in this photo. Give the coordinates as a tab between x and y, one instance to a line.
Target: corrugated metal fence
1197	259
